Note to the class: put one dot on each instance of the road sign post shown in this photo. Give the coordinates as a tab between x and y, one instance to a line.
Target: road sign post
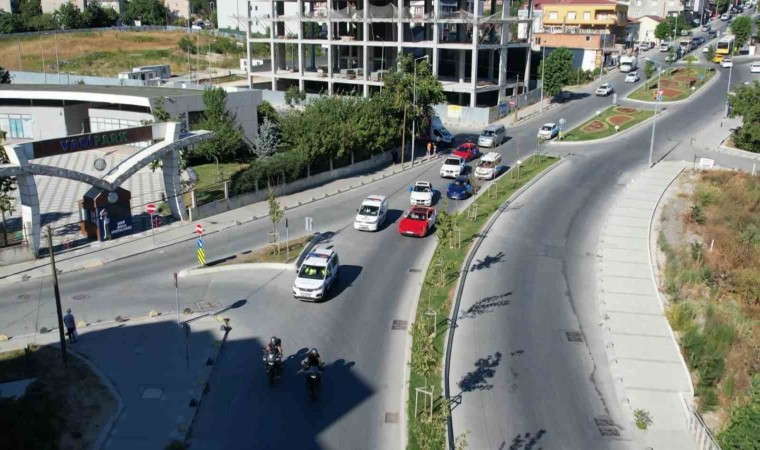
150	208
201	252
309	224
176	294
287	241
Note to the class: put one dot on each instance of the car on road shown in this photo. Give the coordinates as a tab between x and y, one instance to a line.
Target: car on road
548	131
372	213
706	27
670	58
632	77
488	168
316	274
467	151
706	49
453	166
727	62
421	193
664	47
755	67
725	17
605	89
493	136
418	221
712	34
459	189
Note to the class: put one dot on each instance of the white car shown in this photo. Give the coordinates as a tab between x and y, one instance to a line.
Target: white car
755	67
632	77
706	49
488	168
548	131
421	193
453	166
605	89
316	274
727	62
664	47
371	214
725	17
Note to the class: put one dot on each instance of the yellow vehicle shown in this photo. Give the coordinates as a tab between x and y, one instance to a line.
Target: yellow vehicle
725	47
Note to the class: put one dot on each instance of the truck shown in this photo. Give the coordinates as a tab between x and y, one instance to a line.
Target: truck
432	130
628	64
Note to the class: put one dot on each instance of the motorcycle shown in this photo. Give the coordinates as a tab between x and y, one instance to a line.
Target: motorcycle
313	377
272	364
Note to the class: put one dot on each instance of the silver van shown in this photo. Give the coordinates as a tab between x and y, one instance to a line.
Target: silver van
493	136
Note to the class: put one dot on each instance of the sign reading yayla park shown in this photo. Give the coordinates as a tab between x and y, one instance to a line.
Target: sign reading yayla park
80	142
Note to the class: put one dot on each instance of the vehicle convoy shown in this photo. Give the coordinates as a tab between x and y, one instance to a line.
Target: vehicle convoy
371	214
432	130
453	166
468	151
628	63
273	359
488	168
421	193
313	367
724	48
459	189
418	221
316	274
493	136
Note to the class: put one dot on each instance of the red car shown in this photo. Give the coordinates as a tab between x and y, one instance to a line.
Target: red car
418	221
468	151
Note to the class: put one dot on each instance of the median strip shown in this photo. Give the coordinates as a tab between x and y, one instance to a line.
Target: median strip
428	409
608	122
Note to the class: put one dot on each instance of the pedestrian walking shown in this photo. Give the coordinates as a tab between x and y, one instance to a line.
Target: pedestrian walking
394	156
429	149
435	150
71	326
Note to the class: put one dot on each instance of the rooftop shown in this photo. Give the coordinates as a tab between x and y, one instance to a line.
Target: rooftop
538	4
131	91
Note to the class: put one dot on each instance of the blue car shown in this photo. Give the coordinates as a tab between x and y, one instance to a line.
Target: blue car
459	189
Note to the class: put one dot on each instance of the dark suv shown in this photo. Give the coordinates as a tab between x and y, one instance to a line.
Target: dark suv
712	34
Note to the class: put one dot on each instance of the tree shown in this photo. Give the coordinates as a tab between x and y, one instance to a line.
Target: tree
159	111
662	30
723	5
742	29
276	213
7	185
741	432
69	17
746	103
148	12
399	87
95	16
649	70
558	72
229	142
710	54
10	23
294	96
265	110
5	76
267	141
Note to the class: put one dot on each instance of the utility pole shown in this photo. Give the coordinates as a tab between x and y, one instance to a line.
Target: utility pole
42	52
248	26
543	80
18	47
57	293
57	62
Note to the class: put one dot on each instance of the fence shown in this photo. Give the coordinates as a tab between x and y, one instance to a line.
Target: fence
123	28
702	434
483	116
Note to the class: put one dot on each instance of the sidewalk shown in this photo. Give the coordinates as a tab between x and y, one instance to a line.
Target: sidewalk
99	253
646	362
152	368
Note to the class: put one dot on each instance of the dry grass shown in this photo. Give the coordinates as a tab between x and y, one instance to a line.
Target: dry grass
716	293
104	53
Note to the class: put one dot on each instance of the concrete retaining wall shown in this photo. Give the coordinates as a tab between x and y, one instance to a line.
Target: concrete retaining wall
224	205
16	254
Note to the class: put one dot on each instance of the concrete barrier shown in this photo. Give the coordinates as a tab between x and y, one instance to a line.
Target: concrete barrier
16	254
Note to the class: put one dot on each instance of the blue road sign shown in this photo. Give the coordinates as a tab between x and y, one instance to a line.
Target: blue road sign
200	243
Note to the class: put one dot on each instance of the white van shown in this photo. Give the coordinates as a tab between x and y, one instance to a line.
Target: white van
493	136
488	167
371	214
316	274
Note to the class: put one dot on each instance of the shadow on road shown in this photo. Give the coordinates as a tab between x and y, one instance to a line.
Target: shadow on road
486	262
477	380
525	441
391	217
485	305
346	276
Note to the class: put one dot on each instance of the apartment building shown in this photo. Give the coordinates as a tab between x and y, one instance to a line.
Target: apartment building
342	46
178	8
593	29
49	6
690	9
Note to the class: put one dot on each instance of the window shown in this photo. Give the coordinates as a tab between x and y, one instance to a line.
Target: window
587	15
99	124
17	126
588	38
553	15
571	15
538	41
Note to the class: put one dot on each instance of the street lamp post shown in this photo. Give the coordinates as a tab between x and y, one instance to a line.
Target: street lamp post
728	88
414	104
543	70
656	109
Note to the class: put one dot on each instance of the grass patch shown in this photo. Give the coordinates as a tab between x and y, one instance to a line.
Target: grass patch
266	254
65	407
715	294
428	336
210	184
676	84
604	125
227	79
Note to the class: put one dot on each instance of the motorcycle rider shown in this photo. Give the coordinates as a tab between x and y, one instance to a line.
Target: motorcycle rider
313	359
274	346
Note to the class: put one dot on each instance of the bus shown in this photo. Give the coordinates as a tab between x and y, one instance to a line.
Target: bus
725	47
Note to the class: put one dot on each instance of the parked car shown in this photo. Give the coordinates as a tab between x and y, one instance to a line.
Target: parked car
548	131
605	89
712	34
468	151
632	77
706	27
706	49
725	17
727	62
418	221
755	67
686	33
421	193
664	47
459	189
493	136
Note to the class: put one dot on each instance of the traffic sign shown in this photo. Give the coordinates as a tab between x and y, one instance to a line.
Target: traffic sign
309	224
201	253
200	243
512	103
199	229
150	208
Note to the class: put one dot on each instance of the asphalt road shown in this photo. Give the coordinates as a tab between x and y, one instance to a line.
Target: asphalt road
520	380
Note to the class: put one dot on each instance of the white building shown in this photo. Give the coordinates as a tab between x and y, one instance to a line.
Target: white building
231	14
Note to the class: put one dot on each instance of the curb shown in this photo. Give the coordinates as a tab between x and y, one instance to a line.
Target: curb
460	287
608	138
694	95
196	271
722	148
24	276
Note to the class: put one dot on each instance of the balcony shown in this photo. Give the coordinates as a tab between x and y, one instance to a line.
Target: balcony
591	41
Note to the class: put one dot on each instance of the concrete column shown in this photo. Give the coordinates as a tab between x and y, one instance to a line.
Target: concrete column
400	24
272	47
490	63
474	60
526	79
170	171
503	54
300	43
365	48
19	155
436	38
329	47
461	64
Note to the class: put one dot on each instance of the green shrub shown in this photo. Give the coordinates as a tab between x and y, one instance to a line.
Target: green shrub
744	428
697	214
681	316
